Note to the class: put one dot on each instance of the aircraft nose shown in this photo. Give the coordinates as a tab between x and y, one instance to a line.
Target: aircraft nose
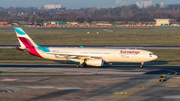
155	56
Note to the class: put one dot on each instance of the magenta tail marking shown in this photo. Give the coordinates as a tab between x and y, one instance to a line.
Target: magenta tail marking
29	45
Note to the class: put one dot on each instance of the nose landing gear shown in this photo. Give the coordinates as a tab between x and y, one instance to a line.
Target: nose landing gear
142	64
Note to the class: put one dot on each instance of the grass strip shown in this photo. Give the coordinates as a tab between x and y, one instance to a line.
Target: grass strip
3	72
130	36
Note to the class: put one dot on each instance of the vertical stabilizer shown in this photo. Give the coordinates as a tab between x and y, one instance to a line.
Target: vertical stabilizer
24	40
27	43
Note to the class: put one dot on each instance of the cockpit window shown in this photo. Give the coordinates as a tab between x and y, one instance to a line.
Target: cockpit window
151	54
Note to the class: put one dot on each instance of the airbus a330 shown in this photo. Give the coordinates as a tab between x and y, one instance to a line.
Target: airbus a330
84	56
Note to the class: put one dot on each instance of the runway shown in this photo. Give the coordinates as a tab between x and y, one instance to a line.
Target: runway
67	83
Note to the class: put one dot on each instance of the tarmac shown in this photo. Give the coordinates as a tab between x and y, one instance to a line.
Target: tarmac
67	83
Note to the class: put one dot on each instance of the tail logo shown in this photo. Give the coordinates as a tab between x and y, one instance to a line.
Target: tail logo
26	42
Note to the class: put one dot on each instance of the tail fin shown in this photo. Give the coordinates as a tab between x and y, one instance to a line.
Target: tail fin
24	40
27	43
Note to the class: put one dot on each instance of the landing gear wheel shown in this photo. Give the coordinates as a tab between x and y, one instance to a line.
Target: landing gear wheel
142	63
80	65
77	66
141	66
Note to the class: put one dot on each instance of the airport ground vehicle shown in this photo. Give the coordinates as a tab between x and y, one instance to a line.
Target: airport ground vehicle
162	78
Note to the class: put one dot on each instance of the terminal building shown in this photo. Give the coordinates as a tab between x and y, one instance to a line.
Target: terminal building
52	6
162	22
144	4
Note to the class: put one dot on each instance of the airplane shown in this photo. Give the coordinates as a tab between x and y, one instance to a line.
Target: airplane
84	56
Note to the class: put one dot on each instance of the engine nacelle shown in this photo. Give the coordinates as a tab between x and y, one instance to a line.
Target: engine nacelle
95	62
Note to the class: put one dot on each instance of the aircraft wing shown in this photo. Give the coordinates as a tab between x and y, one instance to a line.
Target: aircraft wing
70	56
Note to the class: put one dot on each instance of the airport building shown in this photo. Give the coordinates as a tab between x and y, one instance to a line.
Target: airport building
162	4
144	4
162	22
3	23
52	6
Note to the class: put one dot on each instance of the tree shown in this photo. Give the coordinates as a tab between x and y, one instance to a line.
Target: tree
65	20
10	19
25	17
41	20
112	20
89	20
31	18
157	5
71	16
80	20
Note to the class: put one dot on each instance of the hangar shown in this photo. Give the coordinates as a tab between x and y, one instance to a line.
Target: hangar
162	22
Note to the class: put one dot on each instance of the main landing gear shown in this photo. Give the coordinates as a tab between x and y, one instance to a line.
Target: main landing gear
142	63
81	65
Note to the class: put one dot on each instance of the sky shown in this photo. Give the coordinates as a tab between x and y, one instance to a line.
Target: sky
77	3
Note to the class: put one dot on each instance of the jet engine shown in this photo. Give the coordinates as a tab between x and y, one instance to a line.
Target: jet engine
95	62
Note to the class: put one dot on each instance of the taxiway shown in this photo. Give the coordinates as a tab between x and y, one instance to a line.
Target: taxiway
67	83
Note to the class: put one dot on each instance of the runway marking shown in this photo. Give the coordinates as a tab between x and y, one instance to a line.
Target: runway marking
151	81
9	79
170	86
14	89
130	93
73	88
172	71
64	88
177	77
171	97
144	86
114	92
119	92
36	87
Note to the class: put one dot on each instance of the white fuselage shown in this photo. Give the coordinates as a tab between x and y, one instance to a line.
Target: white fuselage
108	55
